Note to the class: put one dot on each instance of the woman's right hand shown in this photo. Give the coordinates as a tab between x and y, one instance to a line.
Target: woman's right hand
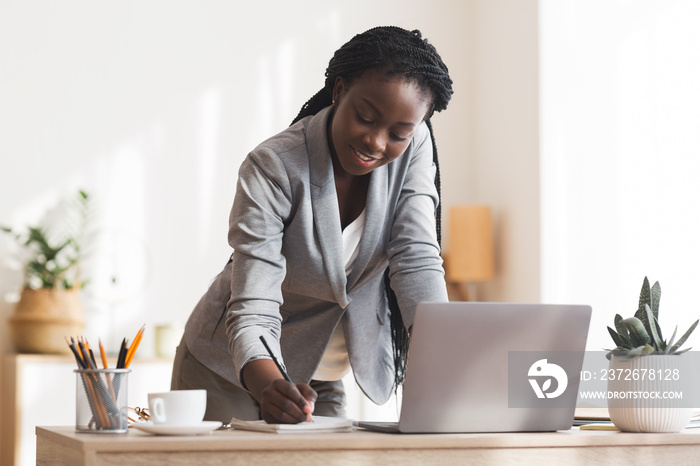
281	402
286	403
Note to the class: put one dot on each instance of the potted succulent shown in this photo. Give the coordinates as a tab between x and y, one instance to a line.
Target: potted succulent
49	306
645	368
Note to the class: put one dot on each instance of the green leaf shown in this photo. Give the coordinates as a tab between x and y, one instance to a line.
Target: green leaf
644	295
655	299
662	348
622	332
638	334
670	342
643	316
618	325
685	336
651	327
635	352
616	338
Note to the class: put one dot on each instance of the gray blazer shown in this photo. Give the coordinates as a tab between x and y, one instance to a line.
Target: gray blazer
286	278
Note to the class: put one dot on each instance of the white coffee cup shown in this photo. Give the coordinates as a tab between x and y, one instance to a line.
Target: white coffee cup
178	407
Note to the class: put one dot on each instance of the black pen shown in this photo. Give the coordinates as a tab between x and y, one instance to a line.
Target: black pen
277	363
309	418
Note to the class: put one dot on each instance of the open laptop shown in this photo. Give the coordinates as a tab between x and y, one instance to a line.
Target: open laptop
492	367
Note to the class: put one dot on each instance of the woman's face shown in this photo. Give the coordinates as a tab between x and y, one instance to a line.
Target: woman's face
375	119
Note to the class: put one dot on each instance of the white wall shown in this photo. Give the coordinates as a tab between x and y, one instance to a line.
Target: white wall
152	105
620	145
504	127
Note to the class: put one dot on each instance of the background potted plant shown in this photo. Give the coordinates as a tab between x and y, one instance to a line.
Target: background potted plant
643	365
49	307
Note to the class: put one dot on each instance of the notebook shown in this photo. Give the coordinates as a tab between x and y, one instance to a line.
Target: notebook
319	424
492	367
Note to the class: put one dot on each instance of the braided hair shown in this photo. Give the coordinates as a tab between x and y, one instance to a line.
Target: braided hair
403	54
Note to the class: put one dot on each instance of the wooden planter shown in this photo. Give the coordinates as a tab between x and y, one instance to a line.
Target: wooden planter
43	318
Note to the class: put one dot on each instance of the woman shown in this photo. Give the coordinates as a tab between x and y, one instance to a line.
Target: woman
328	215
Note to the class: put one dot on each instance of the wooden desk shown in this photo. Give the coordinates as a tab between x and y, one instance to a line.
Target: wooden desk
61	446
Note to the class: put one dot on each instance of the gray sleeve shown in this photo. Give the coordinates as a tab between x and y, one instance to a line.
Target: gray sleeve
415	264
261	206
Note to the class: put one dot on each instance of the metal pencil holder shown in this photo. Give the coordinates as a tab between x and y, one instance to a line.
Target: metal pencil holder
101	401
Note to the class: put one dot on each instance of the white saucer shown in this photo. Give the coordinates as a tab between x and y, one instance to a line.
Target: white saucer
162	429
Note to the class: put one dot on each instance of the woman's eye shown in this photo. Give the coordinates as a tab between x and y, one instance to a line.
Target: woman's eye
362	120
397	138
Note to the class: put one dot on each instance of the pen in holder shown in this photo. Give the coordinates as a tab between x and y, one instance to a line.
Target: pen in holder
101	401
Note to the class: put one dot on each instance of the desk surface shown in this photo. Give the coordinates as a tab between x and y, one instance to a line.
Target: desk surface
61	445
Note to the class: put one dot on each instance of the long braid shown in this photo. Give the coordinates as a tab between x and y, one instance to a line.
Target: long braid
315	104
404	54
399	335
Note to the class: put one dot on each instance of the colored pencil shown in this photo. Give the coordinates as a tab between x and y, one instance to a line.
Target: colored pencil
102	354
134	346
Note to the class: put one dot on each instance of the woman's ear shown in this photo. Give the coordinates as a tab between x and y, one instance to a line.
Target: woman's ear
338	89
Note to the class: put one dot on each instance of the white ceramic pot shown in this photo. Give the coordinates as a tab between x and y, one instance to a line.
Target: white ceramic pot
650	393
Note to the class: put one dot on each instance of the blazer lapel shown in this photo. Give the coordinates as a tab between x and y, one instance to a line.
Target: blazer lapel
374	222
324	201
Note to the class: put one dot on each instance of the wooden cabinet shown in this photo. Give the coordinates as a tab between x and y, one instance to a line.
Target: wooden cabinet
40	390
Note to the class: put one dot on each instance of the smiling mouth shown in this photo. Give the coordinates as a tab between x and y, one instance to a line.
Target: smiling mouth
363	157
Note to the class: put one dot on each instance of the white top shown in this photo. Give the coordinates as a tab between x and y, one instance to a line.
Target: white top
351	241
335	362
